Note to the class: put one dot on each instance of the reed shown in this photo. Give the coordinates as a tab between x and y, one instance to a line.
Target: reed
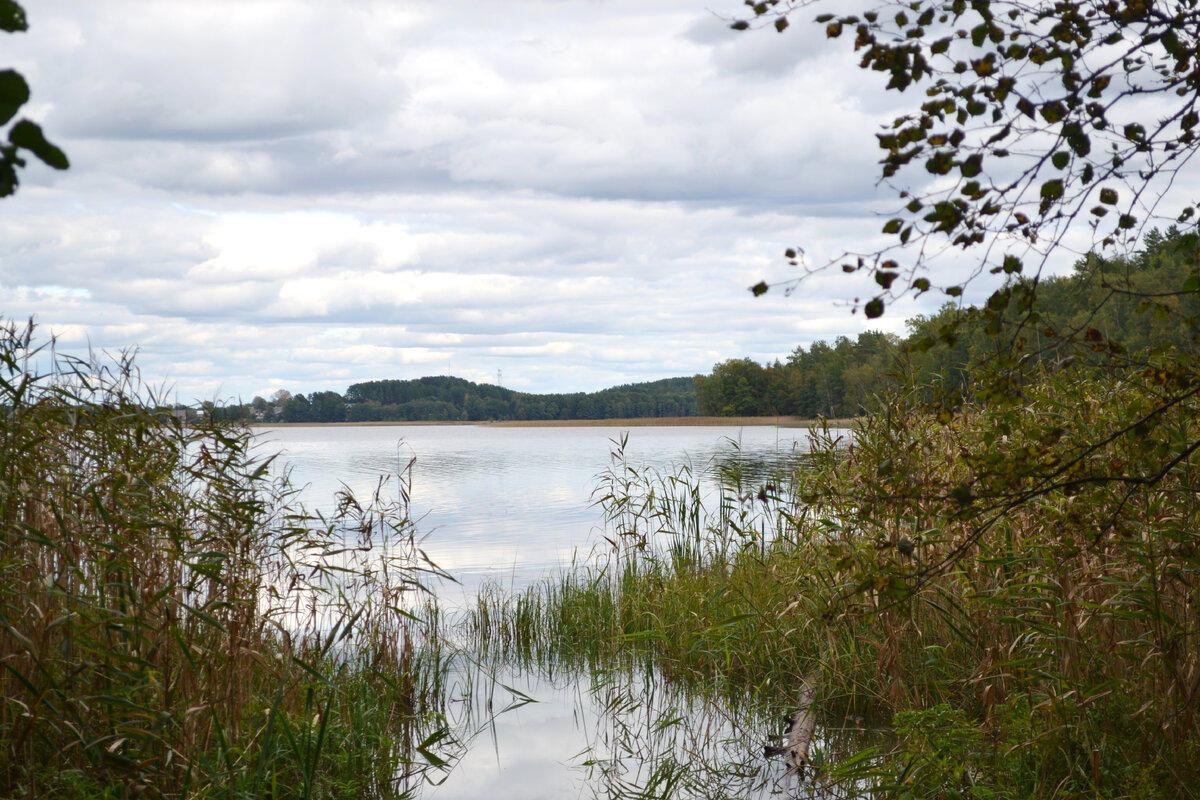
1016	590
173	623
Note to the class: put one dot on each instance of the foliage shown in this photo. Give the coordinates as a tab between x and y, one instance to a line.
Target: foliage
1116	315
1037	637
1030	122
827	380
24	134
1026	117
172	624
457	399
446	399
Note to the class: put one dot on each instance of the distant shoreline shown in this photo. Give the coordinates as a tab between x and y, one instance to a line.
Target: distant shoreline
637	422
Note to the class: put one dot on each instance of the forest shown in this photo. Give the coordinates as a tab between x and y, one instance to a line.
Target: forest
449	399
1117	306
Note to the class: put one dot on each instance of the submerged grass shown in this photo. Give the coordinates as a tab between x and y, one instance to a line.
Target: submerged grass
173	624
1020	603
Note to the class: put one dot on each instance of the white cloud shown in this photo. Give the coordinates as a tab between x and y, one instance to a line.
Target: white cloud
301	194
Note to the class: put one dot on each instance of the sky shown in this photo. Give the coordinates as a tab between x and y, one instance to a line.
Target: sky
562	195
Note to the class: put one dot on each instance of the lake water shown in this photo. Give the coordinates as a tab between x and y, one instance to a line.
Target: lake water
514	504
509	503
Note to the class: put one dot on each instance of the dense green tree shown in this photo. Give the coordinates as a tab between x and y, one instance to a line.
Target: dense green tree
298	409
327	407
455	399
735	387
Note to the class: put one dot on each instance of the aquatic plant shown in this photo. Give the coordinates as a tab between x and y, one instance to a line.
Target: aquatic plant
1019	603
174	624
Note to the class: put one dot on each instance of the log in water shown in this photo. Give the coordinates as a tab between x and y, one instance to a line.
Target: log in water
799	736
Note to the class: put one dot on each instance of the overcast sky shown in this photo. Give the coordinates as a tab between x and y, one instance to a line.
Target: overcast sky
304	195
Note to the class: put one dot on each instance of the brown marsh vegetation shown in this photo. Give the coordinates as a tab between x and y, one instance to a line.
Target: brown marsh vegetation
1014	590
173	624
1011	591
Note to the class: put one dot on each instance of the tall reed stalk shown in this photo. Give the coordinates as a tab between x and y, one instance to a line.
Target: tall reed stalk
172	622
1016	590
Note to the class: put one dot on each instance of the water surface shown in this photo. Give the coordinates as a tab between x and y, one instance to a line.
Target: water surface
509	503
514	504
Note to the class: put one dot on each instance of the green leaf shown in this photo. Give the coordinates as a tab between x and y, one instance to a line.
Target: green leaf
940	162
921	284
781	24
1108	197
874	308
740	25
12	17
8	176
759	288
893	225
14	93
1077	139
1060	159
28	135
1052	189
1053	111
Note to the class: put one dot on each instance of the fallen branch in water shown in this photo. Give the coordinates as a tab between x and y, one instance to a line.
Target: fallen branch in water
799	735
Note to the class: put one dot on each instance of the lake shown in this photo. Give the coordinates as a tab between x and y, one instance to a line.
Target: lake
510	503
514	504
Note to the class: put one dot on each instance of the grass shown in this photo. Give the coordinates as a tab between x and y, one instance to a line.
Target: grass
1014	589
173	624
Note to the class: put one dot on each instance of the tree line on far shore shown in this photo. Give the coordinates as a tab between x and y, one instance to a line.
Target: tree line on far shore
1119	304
449	399
1106	309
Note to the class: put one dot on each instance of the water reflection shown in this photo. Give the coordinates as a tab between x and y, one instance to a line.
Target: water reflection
508	506
660	738
618	732
512	503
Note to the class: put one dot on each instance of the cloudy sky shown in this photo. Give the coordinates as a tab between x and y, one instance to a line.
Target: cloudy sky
304	195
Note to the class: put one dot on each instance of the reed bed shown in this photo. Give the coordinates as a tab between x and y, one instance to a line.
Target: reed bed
1013	589
173	624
